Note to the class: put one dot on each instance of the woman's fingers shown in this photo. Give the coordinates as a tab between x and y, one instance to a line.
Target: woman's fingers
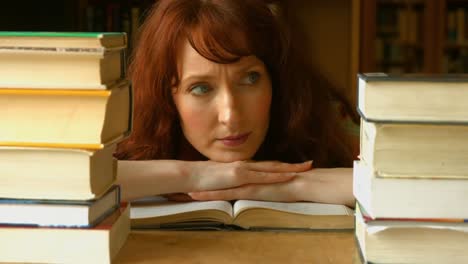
228	194
264	192
238	177
211	175
250	177
276	166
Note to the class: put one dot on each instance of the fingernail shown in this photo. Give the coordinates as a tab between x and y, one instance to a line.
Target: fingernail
308	162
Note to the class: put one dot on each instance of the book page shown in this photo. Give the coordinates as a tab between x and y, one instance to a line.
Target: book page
147	209
306	208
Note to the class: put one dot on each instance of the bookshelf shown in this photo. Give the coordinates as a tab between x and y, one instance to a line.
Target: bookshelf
414	36
47	15
75	15
330	37
111	16
455	54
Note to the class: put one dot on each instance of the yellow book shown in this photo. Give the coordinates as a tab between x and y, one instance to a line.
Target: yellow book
415	150
66	245
65	118
55	173
245	214
57	60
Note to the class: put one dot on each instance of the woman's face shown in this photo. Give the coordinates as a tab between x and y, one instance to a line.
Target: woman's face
223	108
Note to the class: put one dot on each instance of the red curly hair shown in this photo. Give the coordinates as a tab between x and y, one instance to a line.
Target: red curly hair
223	31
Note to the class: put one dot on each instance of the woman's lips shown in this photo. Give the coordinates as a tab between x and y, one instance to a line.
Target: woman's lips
233	141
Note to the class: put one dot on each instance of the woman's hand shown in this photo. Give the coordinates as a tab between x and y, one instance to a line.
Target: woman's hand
142	178
211	175
316	185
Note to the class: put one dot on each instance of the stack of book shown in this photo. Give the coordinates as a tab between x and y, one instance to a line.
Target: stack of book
411	183
64	105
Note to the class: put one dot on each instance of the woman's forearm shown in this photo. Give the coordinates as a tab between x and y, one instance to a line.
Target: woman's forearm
144	178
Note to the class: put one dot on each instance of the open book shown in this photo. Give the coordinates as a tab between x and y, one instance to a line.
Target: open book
243	214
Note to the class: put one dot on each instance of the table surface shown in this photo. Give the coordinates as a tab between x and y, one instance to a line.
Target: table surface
150	246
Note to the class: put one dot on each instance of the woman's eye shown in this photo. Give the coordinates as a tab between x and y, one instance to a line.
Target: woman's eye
199	89
251	78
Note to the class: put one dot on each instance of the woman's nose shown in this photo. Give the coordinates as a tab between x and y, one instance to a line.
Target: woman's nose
228	108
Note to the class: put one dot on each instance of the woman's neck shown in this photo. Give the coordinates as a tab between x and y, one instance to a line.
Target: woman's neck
188	152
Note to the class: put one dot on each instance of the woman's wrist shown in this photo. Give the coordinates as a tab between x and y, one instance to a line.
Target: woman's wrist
185	175
153	177
326	186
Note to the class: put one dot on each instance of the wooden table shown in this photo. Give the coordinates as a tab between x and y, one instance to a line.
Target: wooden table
239	247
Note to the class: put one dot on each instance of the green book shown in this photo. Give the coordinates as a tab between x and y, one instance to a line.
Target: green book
77	40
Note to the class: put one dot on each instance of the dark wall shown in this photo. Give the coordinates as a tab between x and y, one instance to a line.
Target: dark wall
38	15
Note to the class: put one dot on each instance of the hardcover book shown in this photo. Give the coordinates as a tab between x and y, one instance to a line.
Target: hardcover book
65	118
415	242
56	173
409	197
99	244
398	150
59	213
61	60
107	40
413	98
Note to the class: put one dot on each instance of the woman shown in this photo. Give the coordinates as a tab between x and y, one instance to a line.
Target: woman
221	104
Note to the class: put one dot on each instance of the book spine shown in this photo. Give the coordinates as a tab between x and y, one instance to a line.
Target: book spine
56	92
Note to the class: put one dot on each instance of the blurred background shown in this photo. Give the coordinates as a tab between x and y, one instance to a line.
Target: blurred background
342	37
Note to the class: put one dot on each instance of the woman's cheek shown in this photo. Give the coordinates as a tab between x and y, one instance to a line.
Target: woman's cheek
262	106
190	119
194	119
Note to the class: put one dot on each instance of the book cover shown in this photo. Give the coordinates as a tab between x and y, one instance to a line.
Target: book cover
99	244
413	77
63	40
87	119
411	241
368	218
58	66
409	150
384	197
56	173
59	34
59	213
413	98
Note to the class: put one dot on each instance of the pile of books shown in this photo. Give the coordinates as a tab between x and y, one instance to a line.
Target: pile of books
411	183
64	106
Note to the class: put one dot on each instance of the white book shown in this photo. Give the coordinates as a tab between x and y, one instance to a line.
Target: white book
410	197
411	242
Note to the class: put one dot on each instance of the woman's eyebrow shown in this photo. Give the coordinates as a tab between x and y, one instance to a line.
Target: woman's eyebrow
241	67
195	77
247	65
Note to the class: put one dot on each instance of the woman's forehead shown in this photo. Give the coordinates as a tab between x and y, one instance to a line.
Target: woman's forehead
191	62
